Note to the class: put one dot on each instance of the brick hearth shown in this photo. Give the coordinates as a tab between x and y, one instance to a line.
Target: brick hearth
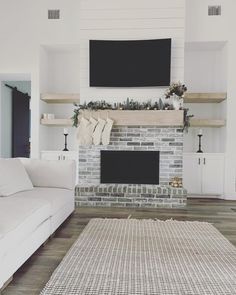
149	196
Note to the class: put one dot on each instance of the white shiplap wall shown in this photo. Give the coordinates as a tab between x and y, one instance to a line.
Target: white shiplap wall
130	20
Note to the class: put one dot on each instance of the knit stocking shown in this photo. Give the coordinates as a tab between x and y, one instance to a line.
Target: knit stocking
98	131
89	131
82	130
107	132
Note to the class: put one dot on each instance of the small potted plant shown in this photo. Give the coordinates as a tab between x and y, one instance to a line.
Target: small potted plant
175	94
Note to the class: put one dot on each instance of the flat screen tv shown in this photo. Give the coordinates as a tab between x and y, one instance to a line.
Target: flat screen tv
136	63
133	167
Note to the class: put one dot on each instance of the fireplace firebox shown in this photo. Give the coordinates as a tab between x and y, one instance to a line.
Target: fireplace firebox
130	167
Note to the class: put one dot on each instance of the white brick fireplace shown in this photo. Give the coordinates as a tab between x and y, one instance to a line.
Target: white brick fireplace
167	140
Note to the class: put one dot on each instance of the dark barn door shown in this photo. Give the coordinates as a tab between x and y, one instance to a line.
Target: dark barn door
20	124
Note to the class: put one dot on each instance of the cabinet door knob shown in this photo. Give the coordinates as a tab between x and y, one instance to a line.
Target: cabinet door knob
204	161
199	161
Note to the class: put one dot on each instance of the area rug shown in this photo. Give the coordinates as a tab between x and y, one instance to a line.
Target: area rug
146	257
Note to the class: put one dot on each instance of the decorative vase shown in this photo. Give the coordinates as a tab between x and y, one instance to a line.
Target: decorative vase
177	102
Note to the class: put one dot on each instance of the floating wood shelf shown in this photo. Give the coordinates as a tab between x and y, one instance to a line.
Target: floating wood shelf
142	117
60	97
127	118
207	123
56	122
208	97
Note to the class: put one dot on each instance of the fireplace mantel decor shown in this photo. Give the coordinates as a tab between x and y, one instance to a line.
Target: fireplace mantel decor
161	118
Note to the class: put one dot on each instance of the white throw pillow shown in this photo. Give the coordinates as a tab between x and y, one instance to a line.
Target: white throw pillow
51	173
13	177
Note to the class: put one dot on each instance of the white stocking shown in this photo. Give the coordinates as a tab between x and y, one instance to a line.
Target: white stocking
107	132
98	131
89	131
82	130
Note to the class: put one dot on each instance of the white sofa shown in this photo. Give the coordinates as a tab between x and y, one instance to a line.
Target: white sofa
28	218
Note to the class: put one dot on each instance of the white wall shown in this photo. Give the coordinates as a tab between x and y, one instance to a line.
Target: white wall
230	168
205	66
201	27
24	27
205	70
63	68
59	73
130	20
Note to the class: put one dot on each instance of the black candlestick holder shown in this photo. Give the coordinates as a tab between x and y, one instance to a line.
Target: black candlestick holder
199	143
65	149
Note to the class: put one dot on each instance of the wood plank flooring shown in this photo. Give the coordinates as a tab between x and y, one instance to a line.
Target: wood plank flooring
33	275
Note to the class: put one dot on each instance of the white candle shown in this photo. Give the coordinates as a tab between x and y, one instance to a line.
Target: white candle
65	131
200	132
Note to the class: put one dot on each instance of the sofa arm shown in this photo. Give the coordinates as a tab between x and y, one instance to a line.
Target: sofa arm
49	173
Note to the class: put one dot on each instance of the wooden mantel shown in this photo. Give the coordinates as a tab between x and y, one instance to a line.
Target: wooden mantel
139	117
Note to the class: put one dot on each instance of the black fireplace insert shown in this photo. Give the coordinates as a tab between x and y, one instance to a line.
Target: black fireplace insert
132	167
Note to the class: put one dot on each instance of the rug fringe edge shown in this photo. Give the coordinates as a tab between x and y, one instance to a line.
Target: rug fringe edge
154	220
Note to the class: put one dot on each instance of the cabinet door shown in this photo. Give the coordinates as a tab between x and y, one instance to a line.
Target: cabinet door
192	173
70	156
51	156
213	174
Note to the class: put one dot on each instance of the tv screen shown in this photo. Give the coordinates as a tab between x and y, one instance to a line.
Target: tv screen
137	63
134	167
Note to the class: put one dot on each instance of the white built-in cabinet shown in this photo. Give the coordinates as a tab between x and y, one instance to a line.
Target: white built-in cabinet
203	174
62	156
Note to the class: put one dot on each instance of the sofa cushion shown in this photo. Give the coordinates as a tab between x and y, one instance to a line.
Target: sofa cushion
56	197
13	177
50	173
19	217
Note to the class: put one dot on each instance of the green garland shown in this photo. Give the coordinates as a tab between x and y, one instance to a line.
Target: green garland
130	104
186	120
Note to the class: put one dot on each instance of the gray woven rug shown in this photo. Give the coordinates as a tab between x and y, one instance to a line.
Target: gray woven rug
140	257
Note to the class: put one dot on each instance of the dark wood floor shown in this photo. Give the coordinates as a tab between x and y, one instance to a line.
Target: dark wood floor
32	276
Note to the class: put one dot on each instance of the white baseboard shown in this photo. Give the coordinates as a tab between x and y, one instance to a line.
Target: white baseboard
230	198
220	197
